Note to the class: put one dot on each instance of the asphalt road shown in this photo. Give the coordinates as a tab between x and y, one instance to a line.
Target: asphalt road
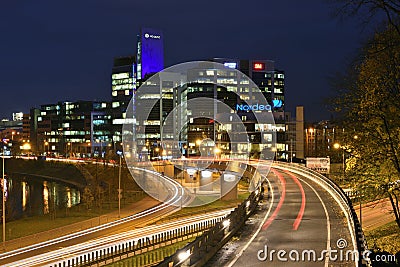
375	214
303	219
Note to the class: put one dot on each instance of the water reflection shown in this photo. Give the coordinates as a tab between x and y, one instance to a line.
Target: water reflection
28	196
46	209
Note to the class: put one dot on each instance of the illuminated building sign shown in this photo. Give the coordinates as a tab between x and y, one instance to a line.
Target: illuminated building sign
277	103
231	65
255	107
152	36
258	66
151	56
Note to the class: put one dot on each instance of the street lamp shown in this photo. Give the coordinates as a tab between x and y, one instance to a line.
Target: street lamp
69	148
337	146
4	205
119	153
192	173
164	154
46	144
217	151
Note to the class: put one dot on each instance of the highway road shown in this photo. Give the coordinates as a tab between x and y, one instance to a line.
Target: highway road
375	214
83	247
175	196
301	218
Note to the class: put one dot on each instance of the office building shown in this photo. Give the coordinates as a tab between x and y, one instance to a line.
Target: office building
150	52
229	87
78	129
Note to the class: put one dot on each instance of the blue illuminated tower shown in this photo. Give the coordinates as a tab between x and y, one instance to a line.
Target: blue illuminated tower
150	52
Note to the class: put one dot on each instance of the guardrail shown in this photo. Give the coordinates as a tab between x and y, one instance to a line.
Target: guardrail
344	201
198	252
136	246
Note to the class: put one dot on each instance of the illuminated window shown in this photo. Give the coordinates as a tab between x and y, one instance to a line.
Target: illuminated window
210	73
151	122
120	75
115	104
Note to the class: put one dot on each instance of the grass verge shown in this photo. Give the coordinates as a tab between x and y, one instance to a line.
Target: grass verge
384	238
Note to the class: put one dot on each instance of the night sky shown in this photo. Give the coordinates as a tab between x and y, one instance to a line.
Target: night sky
63	50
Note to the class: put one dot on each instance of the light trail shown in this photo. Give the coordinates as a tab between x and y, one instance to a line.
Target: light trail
170	202
58	256
299	217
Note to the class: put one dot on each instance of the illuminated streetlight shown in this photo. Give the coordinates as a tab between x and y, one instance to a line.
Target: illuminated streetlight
4	206
119	153
46	144
337	146
217	151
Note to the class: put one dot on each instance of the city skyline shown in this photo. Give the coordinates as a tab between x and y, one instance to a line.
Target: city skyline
48	57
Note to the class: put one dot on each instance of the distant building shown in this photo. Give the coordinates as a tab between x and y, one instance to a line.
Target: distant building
150	52
234	91
18	116
123	79
320	139
10	135
129	72
80	129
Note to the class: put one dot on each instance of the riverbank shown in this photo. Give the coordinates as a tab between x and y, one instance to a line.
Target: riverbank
58	171
99	195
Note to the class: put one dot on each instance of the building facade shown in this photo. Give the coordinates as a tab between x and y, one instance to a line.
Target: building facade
71	129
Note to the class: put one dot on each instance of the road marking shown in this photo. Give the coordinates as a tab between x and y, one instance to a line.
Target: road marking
328	222
297	222
281	200
258	230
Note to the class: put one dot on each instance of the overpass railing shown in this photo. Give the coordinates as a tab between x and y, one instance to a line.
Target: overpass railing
198	252
136	246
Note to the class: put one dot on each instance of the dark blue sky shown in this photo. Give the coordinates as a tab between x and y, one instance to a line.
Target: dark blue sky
63	50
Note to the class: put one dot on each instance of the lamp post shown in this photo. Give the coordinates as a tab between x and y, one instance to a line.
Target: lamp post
192	173
337	146
4	206
119	184
46	144
69	148
164	154
217	151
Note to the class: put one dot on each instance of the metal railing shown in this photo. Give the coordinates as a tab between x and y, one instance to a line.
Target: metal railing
198	252
136	246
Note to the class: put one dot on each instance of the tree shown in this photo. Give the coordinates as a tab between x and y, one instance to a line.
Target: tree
370	108
367	9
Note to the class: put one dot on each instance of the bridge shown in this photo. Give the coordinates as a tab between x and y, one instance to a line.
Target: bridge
302	213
